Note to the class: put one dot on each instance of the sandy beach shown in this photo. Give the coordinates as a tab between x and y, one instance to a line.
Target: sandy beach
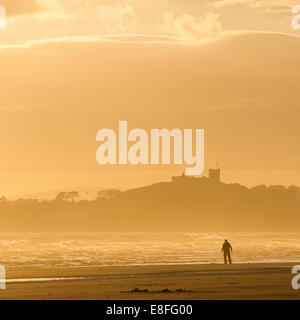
237	281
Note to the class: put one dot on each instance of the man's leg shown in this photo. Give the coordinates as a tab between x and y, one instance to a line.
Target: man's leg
225	258
229	257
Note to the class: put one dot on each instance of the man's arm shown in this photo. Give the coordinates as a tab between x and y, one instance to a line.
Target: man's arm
230	247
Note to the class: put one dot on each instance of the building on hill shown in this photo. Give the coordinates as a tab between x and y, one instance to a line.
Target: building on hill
214	176
183	178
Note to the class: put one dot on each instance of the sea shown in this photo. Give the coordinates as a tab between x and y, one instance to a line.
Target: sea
56	250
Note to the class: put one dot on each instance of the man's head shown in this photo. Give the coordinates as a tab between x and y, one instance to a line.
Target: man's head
226	240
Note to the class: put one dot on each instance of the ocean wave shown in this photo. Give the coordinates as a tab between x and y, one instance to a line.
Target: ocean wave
123	249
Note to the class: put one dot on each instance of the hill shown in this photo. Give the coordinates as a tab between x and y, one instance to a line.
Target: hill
187	204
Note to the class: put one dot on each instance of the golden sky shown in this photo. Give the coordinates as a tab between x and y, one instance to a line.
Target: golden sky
72	67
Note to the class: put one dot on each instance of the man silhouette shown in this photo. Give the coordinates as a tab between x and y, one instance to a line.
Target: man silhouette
226	249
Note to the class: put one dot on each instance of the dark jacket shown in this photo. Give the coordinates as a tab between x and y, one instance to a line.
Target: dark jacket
226	247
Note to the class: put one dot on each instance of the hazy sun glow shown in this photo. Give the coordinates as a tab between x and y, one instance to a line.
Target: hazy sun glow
70	68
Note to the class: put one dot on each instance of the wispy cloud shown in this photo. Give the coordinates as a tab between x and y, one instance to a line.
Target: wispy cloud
118	18
265	4
116	38
29	7
37	45
190	27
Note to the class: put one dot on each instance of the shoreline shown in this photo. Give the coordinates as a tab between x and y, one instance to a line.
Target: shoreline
178	282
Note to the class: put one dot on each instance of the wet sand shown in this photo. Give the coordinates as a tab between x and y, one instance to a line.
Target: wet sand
237	281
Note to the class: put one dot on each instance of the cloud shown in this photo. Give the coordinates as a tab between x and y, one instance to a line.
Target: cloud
190	27
16	8
19	7
264	4
115	38
117	19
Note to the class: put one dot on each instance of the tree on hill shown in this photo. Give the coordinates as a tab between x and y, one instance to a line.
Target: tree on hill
66	196
108	194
